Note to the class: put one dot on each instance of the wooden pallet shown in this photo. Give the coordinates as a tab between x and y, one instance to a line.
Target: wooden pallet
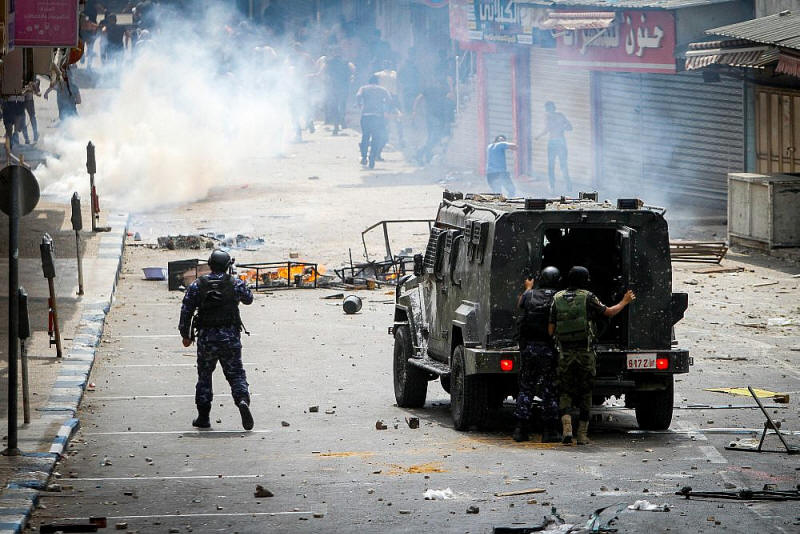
697	251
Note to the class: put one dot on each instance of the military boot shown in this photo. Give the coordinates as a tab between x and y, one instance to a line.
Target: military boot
202	420
521	432
247	417
583	432
566	429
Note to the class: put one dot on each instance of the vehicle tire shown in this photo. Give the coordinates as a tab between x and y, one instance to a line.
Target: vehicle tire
469	395
654	408
444	380
410	382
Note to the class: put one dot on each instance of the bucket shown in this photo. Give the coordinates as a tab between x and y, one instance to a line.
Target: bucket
351	304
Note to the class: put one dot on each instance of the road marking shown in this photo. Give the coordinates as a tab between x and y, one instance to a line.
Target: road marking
151	336
712	454
691	430
184	432
184	477
182	516
167	364
136	397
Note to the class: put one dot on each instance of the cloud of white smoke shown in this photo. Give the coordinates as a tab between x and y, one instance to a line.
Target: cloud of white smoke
186	112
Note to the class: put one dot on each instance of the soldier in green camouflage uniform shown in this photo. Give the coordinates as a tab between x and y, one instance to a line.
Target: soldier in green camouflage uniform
572	319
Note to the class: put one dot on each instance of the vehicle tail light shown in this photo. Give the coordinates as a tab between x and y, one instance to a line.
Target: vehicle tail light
662	364
506	365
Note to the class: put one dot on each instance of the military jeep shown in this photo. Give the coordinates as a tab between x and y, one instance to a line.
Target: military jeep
455	318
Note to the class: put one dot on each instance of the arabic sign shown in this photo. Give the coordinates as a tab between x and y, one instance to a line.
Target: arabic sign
638	41
50	23
510	21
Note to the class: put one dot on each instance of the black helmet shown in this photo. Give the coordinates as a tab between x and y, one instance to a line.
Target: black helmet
578	277
549	277
219	261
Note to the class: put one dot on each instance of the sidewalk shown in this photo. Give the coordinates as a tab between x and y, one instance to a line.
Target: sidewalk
56	385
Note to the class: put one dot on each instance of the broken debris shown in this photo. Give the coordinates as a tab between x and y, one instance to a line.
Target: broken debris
262	492
647	506
438	495
380	425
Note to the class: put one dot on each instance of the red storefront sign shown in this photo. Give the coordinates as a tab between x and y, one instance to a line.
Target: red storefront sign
48	23
637	41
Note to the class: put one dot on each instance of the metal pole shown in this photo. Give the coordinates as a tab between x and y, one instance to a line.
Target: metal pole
91	167
56	329
13	308
26	402
80	260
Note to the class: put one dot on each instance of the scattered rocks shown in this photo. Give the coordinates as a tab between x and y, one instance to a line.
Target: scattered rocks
473	509
380	425
121	526
284	423
412	422
313	409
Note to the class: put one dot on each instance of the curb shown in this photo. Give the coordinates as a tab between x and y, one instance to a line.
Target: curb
33	470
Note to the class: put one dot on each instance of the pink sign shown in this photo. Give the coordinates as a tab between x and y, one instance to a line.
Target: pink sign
48	23
637	41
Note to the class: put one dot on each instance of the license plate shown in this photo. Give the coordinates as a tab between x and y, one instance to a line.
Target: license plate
641	361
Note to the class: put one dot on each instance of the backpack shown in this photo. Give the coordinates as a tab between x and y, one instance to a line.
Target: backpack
573	326
218	305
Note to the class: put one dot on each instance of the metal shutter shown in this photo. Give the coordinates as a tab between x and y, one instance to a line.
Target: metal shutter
570	90
668	137
500	109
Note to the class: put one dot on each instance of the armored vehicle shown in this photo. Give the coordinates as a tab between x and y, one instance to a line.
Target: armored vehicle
455	318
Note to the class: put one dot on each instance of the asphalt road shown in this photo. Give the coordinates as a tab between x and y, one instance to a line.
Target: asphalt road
136	459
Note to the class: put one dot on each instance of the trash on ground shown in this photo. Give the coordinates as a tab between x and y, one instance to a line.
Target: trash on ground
743	494
439	495
412	422
154	273
471	509
762	393
520	492
764	284
647	506
719	270
351	304
262	492
193	242
780	321
552	524
335	296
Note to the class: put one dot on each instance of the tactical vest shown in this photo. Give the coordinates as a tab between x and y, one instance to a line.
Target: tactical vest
573	326
218	305
536	315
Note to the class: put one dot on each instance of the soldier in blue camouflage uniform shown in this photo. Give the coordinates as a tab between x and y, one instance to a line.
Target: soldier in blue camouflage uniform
538	359
216	297
572	319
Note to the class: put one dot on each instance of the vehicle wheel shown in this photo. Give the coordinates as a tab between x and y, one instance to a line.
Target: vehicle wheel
410	382
654	408
444	380
469	396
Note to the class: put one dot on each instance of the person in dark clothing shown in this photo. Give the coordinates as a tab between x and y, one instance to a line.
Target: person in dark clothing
438	116
115	36
374	101
337	74
572	318
556	125
538	359
216	298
